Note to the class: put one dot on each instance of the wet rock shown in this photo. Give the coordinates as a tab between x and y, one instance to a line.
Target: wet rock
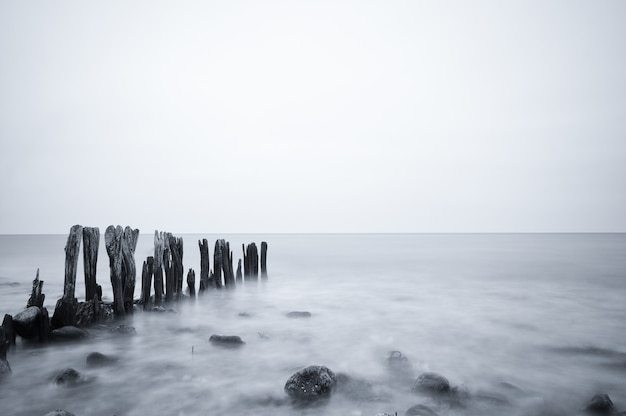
420	410
28	322
431	383
5	368
86	314
124	330
97	359
226	340
59	413
459	396
68	377
69	333
600	404
310	384
160	309
299	314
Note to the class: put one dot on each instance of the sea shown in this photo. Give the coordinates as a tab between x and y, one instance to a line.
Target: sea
519	324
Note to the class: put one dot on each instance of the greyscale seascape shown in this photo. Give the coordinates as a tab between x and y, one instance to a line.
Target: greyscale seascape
517	324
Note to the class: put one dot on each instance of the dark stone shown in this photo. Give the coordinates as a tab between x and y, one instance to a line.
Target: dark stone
600	404
68	377
27	323
226	340
124	329
9	330
299	314
64	313
97	359
431	383
5	368
86	313
59	413
310	384
420	410
69	333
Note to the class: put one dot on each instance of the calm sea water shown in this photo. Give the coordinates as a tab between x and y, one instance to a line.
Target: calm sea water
537	318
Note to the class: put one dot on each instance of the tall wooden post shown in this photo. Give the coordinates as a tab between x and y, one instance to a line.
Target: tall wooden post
113	241
91	241
238	277
204	265
251	262
159	248
65	311
191	283
178	271
146	280
129	274
218	263
167	268
263	260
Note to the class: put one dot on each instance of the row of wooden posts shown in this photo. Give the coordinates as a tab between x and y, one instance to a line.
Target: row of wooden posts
167	262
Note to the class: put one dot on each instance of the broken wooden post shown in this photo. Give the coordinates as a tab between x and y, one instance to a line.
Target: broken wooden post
251	262
227	264
146	280
204	265
91	241
159	247
178	271
167	268
113	242
218	266
191	283
65	310
36	297
129	270
9	331
263	260
238	277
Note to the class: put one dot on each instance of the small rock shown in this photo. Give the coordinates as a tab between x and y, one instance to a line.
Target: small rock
312	383
158	309
68	377
600	404
124	329
59	413
5	368
299	314
27	322
226	340
97	359
420	410
69	333
431	383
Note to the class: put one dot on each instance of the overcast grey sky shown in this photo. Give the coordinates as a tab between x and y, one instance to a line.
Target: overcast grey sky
313	116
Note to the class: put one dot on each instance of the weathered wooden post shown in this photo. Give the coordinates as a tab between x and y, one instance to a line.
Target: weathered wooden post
9	331
129	270
36	297
167	267
159	248
146	280
176	249
204	265
263	260
91	241
239	275
227	264
113	242
191	283
218	263
65	310
251	262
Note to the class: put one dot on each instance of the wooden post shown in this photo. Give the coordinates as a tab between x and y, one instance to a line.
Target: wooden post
36	297
246	271
113	242
91	241
238	276
65	310
191	283
263	260
204	265
178	271
146	280
129	270
167	267
218	263
251	262
227	264
9	331
159	247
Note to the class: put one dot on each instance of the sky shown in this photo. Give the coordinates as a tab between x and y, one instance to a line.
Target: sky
313	116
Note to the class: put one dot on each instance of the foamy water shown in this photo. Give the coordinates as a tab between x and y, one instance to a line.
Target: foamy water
543	313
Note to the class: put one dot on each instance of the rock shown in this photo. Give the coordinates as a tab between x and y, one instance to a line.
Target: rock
68	377
600	404
86	314
124	329
299	314
420	410
69	333
431	383
28	322
312	383
59	413
97	359
459	396
5	368
226	340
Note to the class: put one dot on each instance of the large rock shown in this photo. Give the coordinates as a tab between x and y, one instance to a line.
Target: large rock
27	323
432	383
600	405
59	413
420	410
68	377
97	359
310	384
69	333
226	340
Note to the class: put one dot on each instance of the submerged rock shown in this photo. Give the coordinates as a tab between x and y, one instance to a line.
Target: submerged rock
59	413
28	322
310	384
68	377
431	383
124	330
69	333
97	359
600	404
226	340
5	368
420	410
299	314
